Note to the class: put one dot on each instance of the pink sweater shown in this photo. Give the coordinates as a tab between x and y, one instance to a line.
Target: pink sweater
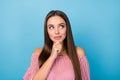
62	68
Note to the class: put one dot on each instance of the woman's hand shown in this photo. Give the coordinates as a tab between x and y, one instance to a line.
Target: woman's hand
56	49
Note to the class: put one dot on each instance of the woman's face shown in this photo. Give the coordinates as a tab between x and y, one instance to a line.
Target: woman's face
56	27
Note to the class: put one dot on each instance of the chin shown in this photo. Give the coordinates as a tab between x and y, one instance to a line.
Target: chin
57	40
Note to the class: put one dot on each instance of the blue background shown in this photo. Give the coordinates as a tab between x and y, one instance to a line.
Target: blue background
95	25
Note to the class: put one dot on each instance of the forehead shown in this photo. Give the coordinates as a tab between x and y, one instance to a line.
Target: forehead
55	20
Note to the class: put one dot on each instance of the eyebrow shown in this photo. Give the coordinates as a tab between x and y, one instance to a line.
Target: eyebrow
58	24
49	25
62	23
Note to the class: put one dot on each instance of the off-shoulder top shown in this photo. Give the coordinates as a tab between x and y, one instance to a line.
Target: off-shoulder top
62	68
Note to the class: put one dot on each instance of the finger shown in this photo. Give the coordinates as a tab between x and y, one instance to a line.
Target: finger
57	42
57	51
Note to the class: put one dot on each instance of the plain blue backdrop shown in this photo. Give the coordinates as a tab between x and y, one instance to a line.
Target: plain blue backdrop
95	26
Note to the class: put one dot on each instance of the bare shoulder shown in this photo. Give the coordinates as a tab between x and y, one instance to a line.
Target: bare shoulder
38	51
80	51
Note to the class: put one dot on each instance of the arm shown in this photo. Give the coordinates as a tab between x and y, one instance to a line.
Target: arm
33	67
84	65
43	72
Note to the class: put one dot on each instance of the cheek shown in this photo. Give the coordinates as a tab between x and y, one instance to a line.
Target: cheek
64	33
50	33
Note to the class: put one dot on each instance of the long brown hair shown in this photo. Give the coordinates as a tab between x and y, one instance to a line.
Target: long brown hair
68	44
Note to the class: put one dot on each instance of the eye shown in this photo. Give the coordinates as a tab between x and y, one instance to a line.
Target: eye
61	26
51	27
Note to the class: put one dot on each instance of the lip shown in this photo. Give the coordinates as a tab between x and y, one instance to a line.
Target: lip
57	37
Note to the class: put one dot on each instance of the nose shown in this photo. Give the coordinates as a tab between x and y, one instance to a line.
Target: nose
56	31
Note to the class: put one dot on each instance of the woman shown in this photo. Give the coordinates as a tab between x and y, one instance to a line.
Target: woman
59	59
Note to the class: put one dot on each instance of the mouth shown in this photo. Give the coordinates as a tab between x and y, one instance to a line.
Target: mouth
57	37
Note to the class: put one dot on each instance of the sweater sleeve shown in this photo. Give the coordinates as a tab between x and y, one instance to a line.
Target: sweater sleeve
84	67
34	66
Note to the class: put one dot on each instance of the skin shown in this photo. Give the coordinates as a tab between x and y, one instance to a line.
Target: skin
56	28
